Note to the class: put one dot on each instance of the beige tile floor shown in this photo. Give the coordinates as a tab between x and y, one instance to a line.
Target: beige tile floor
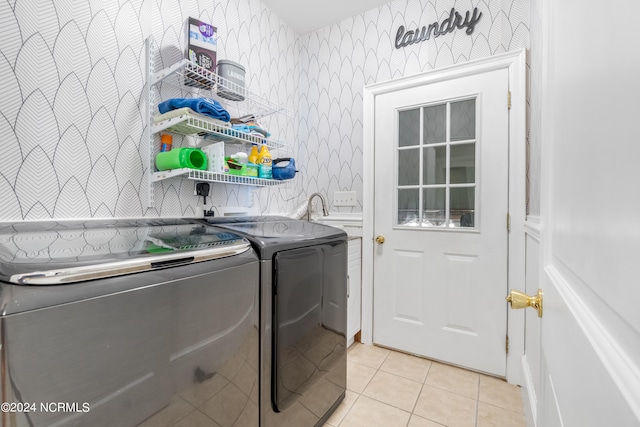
386	388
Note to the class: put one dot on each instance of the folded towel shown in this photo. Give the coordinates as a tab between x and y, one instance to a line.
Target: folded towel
187	112
260	129
257	136
243	119
241	128
204	106
248	123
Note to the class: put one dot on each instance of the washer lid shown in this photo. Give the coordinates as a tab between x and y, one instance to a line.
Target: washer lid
271	234
53	253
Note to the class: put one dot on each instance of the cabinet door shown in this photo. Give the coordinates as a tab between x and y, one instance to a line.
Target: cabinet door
354	288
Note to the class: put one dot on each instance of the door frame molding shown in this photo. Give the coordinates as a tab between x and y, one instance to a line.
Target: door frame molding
515	63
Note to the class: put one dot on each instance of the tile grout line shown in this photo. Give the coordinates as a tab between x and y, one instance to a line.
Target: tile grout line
452	392
423	384
195	408
363	388
385	403
373	376
349	410
418	398
379	369
422	387
374	399
208	417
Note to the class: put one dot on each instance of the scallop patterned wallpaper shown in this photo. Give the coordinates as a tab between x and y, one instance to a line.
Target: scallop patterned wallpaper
337	61
73	110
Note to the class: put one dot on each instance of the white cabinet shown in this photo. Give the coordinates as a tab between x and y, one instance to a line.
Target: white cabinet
354	289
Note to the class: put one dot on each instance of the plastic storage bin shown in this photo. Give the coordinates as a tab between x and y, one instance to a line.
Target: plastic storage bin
192	158
233	86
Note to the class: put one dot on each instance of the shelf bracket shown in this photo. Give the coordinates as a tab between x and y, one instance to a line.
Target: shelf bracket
148	135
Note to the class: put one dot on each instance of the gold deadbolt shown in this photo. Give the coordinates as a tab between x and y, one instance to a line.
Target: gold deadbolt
380	240
519	299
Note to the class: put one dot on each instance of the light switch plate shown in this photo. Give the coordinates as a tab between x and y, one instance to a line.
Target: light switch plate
344	198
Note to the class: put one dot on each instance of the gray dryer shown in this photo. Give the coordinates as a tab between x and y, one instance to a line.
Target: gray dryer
303	276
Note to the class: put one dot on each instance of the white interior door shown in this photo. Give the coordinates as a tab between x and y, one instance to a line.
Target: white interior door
590	241
441	204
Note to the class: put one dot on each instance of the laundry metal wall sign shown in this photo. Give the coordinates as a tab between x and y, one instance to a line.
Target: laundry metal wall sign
448	25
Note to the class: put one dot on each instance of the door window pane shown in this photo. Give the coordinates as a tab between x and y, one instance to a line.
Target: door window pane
463	164
462	206
463	120
409	128
437	160
408	201
435	124
434	207
409	167
434	165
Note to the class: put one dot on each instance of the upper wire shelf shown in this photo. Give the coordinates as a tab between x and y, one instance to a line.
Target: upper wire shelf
188	124
191	74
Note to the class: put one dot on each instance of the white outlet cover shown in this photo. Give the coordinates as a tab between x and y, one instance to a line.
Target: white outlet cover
344	198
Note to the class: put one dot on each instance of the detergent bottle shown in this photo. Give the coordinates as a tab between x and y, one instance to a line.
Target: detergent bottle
253	155
264	163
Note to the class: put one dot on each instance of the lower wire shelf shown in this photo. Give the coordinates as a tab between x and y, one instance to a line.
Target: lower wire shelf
199	175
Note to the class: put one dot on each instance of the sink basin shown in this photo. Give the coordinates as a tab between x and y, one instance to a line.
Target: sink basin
351	223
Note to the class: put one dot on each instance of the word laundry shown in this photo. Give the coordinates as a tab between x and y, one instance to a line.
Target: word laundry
437	29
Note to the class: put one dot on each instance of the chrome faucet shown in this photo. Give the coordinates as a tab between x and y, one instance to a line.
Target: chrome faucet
325	212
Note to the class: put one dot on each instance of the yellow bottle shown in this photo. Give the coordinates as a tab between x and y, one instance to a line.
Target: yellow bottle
264	158
253	156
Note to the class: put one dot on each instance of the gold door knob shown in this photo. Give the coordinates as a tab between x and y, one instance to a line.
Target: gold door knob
380	240
519	299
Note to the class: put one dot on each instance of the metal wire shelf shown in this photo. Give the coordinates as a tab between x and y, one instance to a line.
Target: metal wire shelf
192	75
187	76
199	175
188	124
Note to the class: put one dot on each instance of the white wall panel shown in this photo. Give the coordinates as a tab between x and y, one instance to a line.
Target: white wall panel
598	384
590	331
